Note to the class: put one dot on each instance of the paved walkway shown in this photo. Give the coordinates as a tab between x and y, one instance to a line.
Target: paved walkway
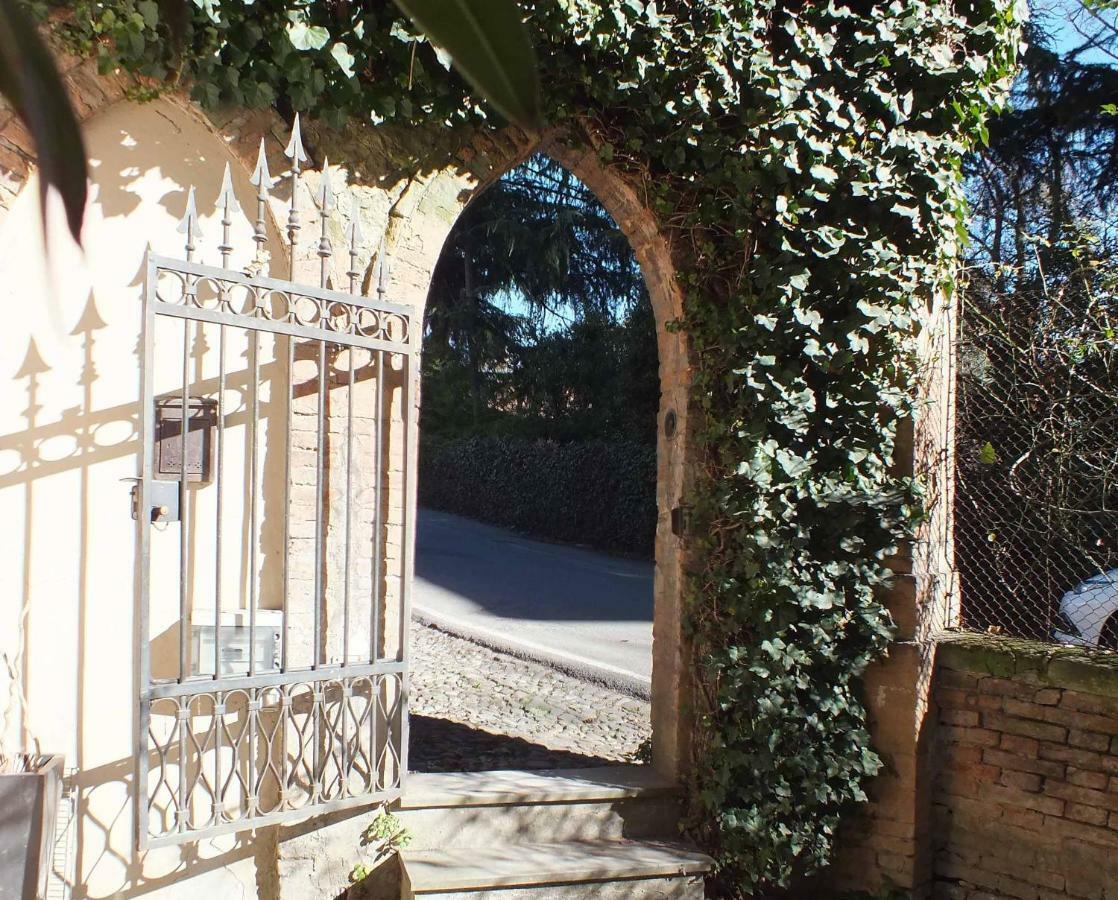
580	610
475	709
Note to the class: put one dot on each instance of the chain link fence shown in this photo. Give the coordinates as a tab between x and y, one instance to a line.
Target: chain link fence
1036	503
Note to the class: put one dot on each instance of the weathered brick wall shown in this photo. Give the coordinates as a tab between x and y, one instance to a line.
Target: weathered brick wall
1026	797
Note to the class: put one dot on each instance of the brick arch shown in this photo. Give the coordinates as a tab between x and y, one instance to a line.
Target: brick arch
417	226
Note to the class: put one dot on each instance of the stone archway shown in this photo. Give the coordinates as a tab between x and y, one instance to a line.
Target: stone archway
417	215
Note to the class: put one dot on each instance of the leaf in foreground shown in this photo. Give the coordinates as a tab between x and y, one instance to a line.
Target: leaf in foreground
30	82
490	47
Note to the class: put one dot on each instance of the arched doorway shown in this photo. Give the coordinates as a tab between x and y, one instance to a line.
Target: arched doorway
422	217
533	593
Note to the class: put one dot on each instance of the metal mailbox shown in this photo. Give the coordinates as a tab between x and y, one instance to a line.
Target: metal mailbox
201	420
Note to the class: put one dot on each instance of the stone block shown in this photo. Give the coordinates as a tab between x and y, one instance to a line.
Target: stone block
984	737
1095	780
1082	795
1026	781
1020	746
1016	763
1002	722
1091	815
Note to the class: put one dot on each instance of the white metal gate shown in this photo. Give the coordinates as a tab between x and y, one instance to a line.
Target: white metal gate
271	512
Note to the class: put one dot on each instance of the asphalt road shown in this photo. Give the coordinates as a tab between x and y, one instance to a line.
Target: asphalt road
584	611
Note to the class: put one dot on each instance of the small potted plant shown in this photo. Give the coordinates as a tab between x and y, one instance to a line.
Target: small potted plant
30	790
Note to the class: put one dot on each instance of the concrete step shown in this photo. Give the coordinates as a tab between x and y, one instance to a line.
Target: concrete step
570	870
478	809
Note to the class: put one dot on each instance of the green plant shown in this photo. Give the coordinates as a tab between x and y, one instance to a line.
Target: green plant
803	159
643	753
30	82
486	39
384	836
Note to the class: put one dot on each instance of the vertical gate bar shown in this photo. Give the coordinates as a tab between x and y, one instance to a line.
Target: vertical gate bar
319	508
219	486
319	511
254	505
287	499
378	484
347	688
252	711
183	714
407	566
184	506
141	626
375	731
219	704
350	351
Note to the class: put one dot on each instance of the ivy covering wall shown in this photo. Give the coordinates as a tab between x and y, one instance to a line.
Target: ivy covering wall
805	158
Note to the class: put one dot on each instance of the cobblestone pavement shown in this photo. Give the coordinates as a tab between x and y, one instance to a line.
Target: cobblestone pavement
475	709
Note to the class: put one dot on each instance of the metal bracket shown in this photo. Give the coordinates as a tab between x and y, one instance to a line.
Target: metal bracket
164	500
681	521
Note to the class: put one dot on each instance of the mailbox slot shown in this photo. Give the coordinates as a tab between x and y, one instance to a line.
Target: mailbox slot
202	413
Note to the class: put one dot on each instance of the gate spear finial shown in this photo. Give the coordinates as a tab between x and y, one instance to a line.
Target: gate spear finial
227	203
325	204
354	236
381	271
298	155
295	150
263	181
189	224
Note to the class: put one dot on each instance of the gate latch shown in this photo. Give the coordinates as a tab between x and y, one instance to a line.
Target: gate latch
164	500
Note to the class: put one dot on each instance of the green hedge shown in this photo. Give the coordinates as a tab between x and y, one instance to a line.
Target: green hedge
601	494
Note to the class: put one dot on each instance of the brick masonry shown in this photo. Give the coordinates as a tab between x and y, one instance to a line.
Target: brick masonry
1025	800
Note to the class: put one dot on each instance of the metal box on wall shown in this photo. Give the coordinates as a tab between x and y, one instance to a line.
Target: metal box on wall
236	641
201	420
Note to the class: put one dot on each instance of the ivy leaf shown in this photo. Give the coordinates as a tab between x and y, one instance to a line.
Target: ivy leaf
307	37
31	83
491	48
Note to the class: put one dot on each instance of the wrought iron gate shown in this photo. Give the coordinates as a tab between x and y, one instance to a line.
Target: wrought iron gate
272	510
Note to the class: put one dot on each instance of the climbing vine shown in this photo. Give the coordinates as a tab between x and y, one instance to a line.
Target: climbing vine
804	158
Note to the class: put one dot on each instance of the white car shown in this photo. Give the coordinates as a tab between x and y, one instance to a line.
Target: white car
1089	613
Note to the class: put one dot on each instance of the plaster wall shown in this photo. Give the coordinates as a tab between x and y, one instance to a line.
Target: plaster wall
69	392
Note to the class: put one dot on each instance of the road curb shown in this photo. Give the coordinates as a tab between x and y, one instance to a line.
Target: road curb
576	666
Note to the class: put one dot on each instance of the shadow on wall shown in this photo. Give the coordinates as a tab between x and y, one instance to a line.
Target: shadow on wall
68	437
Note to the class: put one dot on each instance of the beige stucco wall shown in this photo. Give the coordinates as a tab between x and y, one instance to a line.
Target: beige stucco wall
69	389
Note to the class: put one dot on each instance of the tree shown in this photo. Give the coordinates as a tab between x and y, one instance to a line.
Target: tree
1037	463
538	316
1051	162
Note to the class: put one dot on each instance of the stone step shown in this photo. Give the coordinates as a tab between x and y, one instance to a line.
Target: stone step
479	809
570	870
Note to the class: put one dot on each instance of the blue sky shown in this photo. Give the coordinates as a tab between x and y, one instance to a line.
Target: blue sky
1060	17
